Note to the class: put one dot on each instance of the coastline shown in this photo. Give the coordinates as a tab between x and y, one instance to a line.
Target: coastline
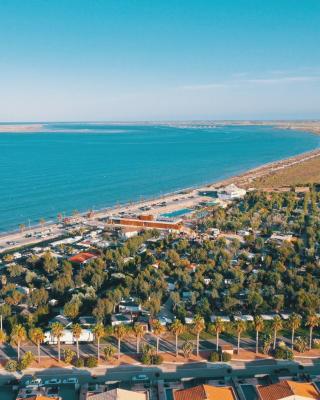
179	199
309	126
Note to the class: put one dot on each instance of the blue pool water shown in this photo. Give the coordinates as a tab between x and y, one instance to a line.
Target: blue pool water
177	213
83	166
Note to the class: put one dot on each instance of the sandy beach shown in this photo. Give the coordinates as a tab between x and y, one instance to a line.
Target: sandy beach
17	128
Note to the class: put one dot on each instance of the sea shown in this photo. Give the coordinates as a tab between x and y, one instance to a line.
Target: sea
67	167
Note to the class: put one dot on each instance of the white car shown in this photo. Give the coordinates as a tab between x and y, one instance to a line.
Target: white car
70	380
53	381
33	382
140	378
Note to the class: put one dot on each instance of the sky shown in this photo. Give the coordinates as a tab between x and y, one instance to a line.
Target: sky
134	60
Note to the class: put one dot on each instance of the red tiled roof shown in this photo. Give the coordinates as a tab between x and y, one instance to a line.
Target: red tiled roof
284	389
205	392
81	257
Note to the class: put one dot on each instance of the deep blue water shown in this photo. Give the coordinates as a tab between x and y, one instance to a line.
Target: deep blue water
93	166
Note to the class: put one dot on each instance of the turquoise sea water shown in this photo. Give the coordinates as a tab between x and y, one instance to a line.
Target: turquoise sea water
83	166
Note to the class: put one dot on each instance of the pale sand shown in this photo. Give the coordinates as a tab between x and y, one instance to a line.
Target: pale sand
21	128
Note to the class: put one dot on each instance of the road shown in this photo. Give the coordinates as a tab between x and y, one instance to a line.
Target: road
128	346
194	370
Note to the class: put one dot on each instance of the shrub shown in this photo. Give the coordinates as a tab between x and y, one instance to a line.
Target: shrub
145	359
316	343
226	357
300	344
266	344
151	359
91	362
214	356
11	366
25	361
78	362
69	355
283	353
109	351
157	359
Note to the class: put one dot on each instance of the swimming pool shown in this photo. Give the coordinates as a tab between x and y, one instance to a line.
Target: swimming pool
249	392
169	394
177	213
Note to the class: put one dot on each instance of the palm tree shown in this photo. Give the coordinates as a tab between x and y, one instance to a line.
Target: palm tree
240	327
120	332
258	326
57	332
18	335
294	323
217	327
37	336
198	327
276	326
177	329
139	332
312	322
76	332
158	330
99	333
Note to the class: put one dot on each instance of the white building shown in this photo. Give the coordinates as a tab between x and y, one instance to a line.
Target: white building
68	338
231	192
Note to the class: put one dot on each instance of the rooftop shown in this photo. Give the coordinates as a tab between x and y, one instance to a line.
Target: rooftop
81	257
286	388
118	394
205	392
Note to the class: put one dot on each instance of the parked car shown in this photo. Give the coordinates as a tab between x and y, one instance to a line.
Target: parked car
53	381
70	380
140	378
33	382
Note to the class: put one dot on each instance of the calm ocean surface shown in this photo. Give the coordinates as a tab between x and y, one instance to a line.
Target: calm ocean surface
82	166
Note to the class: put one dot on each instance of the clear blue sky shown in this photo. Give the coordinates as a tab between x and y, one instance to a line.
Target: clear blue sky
159	59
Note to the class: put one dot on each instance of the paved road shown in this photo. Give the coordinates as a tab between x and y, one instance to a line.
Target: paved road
127	347
199	370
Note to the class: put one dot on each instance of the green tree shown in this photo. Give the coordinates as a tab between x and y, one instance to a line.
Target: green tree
197	327
312	322
258	326
139	332
294	323
120	332
18	335
276	326
177	328
57	332
240	327
76	332
217	327
158	330
37	336
98	333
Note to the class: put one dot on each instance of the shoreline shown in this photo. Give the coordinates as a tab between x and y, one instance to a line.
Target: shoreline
308	126
187	197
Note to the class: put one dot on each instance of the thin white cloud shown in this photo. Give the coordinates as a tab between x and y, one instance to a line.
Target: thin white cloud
284	79
262	81
206	86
